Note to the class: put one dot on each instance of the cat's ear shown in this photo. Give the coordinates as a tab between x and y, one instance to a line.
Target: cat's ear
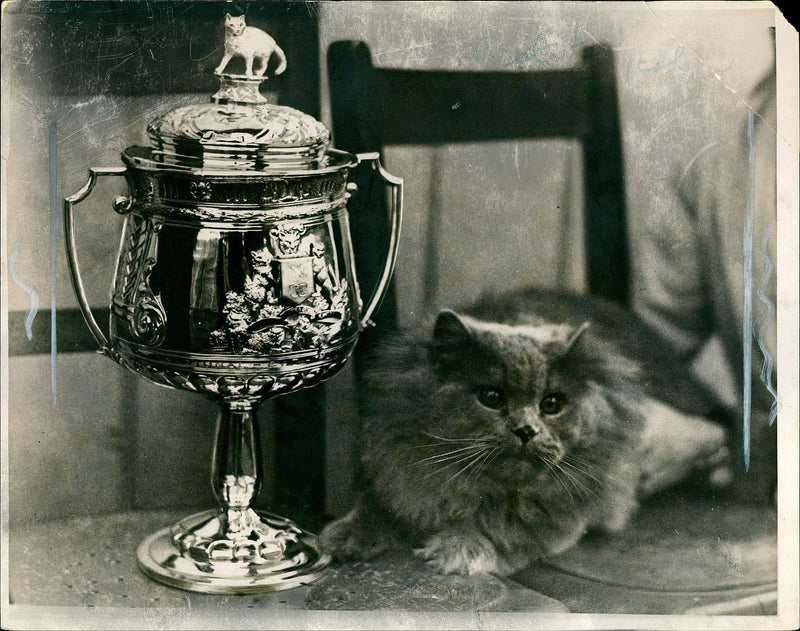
573	337
451	339
450	329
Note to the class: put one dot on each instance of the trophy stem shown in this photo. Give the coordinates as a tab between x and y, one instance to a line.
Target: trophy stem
236	469
235	549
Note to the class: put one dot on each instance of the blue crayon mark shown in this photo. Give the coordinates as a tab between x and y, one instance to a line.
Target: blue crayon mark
644	65
54	212
747	307
533	55
31	312
763	325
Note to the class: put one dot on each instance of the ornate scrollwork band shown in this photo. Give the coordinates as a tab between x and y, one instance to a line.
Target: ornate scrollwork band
134	299
218	376
177	199
154	187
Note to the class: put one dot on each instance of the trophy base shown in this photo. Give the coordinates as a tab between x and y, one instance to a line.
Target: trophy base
267	553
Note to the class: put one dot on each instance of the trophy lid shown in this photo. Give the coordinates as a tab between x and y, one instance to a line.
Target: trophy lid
239	129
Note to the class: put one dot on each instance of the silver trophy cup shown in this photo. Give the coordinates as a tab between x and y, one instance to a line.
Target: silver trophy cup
235	279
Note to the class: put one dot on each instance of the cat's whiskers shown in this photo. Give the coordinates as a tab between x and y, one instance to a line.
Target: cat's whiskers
471	439
477	454
458	450
585	471
488	458
581	486
475	460
582	470
448	454
555	474
587	463
588	469
573	476
453	459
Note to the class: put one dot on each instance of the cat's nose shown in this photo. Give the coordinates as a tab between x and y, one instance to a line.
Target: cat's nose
525	433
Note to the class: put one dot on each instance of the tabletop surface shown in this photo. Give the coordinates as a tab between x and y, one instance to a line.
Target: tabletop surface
90	562
678	556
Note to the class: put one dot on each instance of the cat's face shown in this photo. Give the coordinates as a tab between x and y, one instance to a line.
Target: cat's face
512	389
234	24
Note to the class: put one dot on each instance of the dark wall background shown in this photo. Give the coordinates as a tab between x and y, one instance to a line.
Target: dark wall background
134	48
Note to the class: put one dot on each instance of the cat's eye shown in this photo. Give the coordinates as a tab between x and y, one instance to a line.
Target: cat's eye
552	403
493	398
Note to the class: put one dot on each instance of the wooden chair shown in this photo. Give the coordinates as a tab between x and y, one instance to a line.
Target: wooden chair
374	108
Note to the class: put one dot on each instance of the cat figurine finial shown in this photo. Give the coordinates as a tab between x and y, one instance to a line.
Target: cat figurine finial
249	43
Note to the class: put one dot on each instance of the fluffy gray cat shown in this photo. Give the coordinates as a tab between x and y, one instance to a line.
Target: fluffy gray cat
504	433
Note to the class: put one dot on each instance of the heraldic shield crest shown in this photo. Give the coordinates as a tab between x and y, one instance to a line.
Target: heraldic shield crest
293	298
297	278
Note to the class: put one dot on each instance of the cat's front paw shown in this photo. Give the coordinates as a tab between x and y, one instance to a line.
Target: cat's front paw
347	539
454	553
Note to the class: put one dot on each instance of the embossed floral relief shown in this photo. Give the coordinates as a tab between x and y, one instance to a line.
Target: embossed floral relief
292	300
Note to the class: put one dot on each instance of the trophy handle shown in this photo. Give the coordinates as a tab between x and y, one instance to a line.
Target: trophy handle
395	185
122	205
